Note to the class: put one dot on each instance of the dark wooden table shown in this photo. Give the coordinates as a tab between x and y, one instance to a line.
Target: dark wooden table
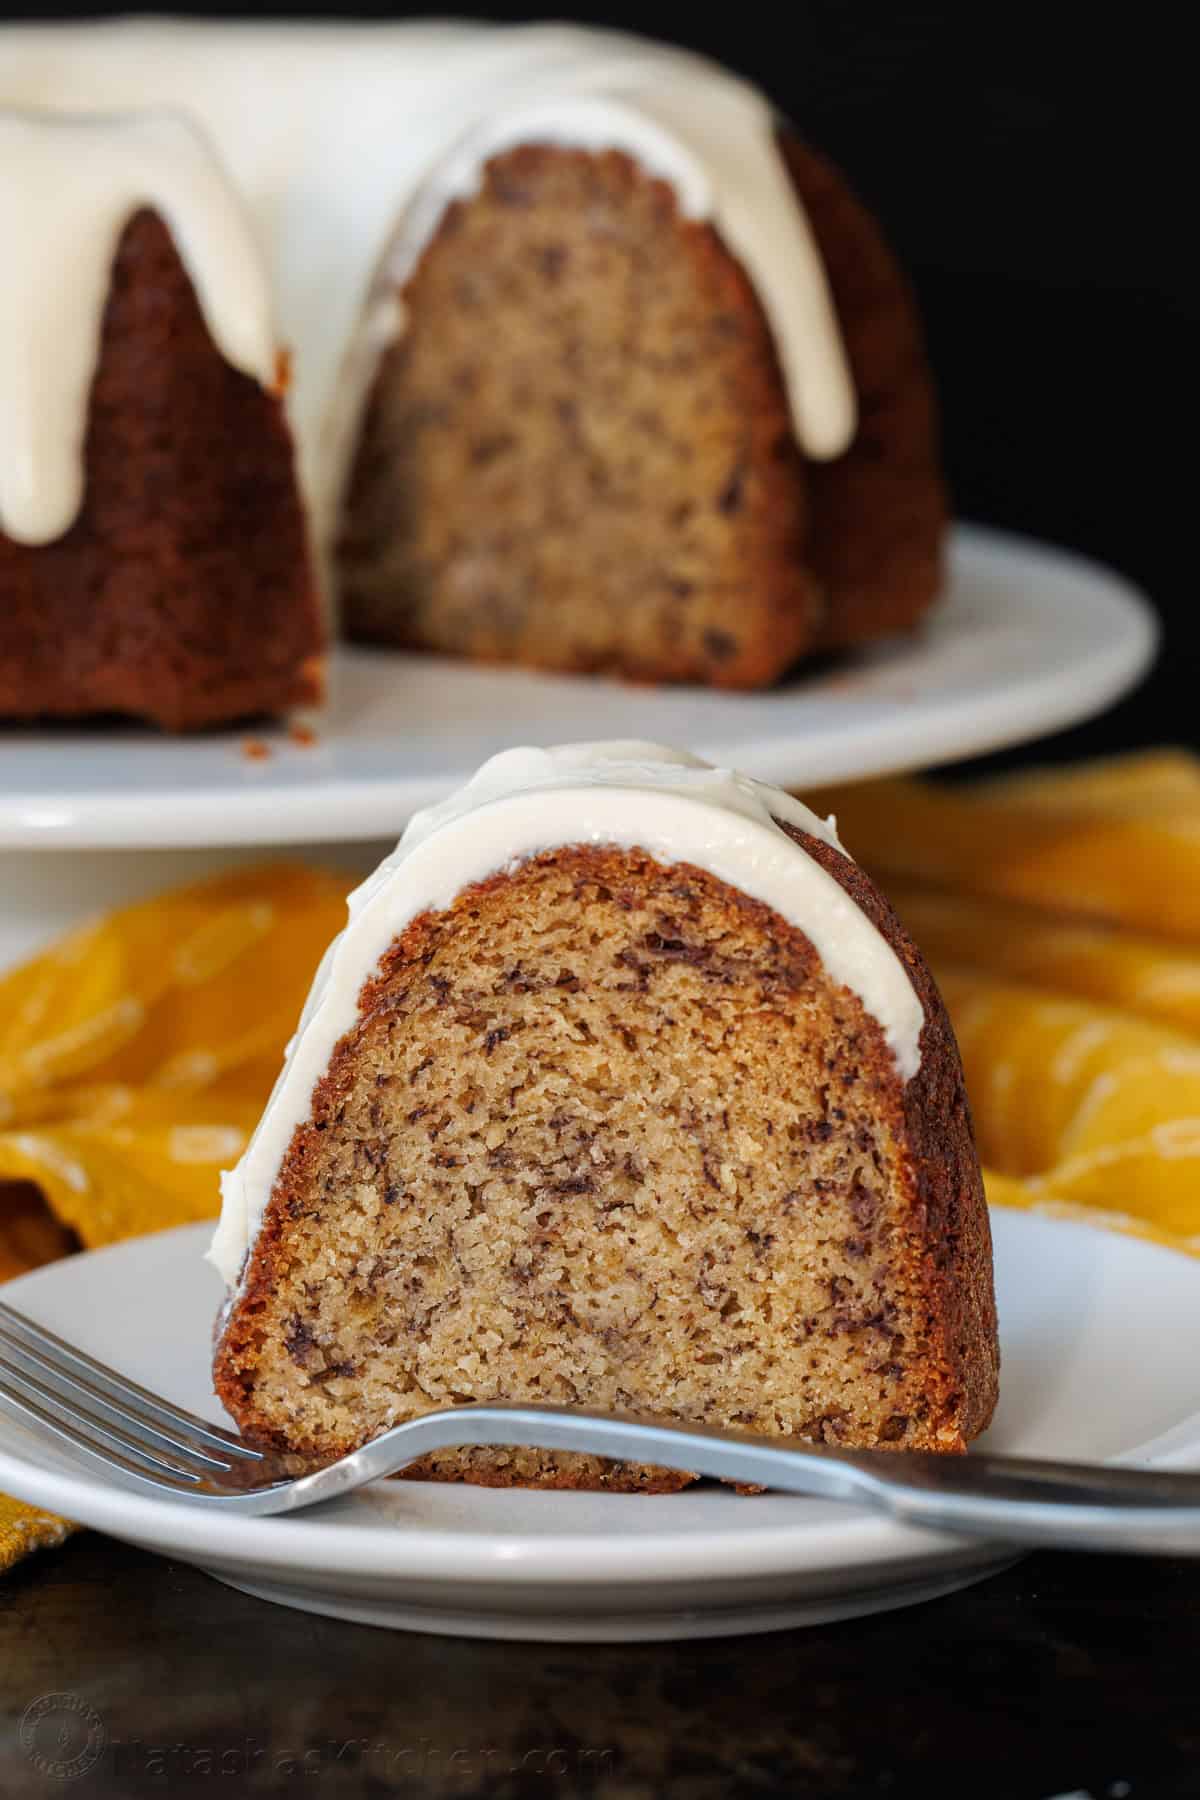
1063	1676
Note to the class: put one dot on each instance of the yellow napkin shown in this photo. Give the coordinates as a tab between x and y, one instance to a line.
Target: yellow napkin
1061	912
137	1053
135	1057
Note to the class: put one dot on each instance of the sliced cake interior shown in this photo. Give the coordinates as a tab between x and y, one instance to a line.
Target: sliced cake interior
579	455
607	1131
583	451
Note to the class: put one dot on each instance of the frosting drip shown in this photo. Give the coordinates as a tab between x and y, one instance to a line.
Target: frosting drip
68	187
633	795
348	142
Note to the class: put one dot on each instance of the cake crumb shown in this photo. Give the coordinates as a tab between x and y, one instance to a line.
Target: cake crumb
254	750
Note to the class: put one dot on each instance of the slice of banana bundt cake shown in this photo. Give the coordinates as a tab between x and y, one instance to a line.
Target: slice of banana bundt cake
624	1087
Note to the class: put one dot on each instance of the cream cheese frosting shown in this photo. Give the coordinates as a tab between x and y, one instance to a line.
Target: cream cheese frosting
68	187
633	795
347	142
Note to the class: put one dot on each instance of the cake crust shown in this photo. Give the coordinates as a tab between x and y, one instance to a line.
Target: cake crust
896	1288
183	592
877	515
950	1211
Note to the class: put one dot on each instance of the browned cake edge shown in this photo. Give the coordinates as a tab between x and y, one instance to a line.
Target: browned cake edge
952	1212
878	514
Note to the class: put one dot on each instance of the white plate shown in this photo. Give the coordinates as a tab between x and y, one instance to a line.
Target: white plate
1026	640
1101	1344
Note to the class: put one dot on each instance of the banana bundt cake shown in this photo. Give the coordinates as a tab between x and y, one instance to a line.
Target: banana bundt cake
596	367
622	1087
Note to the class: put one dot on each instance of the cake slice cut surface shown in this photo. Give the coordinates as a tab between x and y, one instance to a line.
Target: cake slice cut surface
607	1124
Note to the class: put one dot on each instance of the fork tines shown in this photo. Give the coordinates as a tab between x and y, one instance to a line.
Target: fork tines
98	1411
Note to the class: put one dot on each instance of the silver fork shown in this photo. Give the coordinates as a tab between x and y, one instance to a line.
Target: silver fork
154	1447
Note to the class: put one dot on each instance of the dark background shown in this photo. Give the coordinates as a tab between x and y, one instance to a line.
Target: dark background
1036	170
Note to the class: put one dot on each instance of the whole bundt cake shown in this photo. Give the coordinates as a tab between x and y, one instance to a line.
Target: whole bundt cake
622	1087
595	369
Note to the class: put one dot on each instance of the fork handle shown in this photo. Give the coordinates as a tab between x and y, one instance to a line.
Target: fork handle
1014	1500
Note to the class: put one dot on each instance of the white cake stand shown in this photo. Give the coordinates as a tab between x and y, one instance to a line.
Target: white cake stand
1025	640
